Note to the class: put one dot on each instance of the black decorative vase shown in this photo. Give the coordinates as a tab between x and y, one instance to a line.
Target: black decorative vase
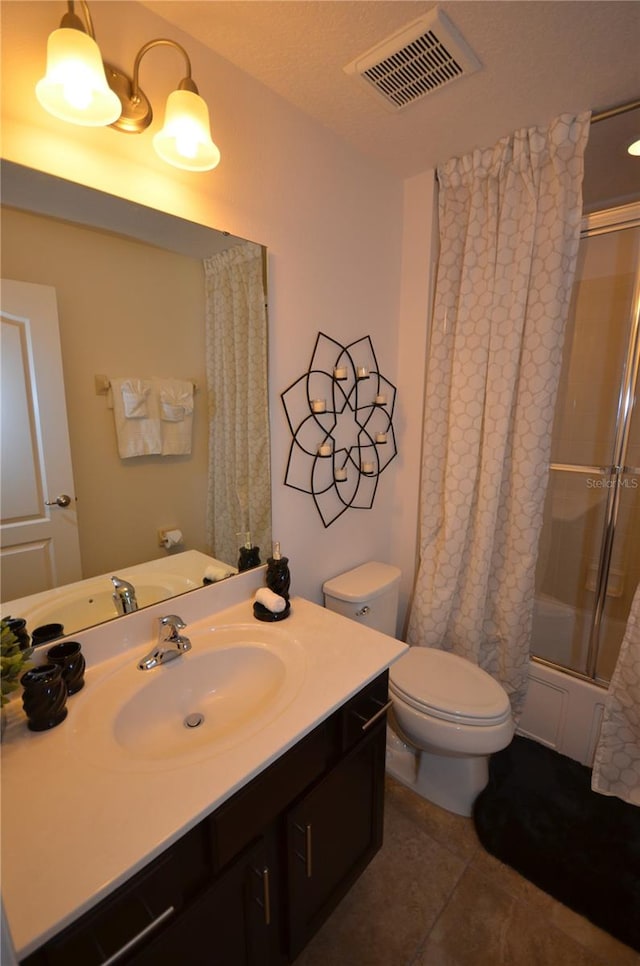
45	697
18	626
249	558
278	577
46	633
68	656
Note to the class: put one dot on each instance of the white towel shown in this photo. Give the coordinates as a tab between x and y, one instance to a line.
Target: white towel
176	415
136	416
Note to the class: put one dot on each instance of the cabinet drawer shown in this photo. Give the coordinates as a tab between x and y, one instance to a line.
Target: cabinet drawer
141	908
244	816
364	710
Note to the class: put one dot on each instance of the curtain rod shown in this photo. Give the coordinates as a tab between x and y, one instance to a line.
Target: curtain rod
602	115
613	111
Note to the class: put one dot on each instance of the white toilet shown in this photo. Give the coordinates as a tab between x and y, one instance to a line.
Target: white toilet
448	714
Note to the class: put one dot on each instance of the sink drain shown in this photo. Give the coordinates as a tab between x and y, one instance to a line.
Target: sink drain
193	720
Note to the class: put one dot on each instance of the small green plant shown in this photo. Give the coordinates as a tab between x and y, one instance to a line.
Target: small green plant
13	661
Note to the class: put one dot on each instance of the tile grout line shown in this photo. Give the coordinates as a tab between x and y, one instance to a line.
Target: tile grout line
423	941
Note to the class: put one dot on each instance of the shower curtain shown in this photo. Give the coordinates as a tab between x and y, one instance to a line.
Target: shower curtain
509	232
616	767
239	490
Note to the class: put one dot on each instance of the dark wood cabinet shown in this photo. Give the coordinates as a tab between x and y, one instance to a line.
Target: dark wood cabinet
332	835
235	922
251	884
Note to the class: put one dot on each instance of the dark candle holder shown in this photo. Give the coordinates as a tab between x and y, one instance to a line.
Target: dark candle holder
18	626
45	697
68	656
46	633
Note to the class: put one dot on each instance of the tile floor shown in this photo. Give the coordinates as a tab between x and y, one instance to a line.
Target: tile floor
433	897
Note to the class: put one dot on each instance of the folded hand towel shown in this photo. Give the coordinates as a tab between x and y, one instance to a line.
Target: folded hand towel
271	601
176	412
136	416
134	398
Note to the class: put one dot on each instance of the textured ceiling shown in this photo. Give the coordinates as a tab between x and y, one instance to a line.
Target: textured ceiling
538	59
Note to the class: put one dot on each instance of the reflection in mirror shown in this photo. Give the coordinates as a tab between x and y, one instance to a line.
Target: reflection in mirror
104	291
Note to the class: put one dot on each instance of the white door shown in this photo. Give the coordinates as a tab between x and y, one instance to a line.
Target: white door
39	546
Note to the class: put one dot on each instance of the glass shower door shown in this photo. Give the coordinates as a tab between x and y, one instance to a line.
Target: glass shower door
588	563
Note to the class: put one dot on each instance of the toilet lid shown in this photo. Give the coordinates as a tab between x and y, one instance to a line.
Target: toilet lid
448	686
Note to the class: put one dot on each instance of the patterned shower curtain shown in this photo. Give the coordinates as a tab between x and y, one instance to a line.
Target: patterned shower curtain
509	232
239	490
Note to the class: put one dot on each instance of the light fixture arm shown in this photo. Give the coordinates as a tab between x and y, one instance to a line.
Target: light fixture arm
137	113
72	21
186	84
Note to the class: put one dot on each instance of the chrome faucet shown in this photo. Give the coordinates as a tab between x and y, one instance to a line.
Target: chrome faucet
171	643
124	596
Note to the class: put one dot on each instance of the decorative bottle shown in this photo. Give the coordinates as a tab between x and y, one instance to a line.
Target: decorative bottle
249	555
278	577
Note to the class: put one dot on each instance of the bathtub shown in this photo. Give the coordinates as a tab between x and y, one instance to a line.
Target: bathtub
561	710
554	625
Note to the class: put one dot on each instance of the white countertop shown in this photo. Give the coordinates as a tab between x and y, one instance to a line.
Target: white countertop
74	829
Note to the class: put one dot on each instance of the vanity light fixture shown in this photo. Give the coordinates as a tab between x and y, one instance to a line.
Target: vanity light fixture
80	88
634	148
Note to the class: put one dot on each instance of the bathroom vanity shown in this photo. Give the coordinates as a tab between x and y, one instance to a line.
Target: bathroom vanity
231	851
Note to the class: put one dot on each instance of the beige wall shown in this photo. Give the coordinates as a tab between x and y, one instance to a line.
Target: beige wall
334	225
125	309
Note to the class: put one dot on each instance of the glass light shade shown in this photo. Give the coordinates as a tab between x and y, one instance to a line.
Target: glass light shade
185	140
634	148
75	87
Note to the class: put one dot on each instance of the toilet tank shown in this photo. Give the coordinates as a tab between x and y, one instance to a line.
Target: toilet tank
367	594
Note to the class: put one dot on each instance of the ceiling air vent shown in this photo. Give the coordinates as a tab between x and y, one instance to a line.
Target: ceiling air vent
418	59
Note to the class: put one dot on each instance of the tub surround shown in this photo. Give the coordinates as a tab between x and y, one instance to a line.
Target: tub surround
91	825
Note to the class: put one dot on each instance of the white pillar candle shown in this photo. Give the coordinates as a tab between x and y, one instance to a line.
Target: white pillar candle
324	449
381	399
366	466
318	405
340	474
340	372
381	437
362	372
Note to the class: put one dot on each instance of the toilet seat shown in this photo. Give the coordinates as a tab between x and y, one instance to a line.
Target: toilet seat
449	687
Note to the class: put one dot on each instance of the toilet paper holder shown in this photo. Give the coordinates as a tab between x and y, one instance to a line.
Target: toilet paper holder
170	538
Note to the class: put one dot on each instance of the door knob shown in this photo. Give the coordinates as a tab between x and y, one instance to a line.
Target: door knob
62	500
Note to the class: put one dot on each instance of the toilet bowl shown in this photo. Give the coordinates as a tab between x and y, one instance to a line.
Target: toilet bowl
451	715
448	715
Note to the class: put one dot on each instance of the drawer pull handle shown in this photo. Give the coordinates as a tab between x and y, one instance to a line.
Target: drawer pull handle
306	858
377	715
307	831
137	939
266	896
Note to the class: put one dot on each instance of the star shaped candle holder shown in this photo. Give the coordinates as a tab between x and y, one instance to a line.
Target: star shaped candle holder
340	413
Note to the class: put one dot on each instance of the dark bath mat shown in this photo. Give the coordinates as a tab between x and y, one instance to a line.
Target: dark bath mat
539	815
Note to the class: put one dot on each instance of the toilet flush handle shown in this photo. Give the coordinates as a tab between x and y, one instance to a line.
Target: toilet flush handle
363	610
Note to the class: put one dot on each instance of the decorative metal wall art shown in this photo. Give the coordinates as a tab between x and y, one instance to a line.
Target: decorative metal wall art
340	414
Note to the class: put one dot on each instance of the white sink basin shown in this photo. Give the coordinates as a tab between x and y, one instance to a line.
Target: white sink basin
233	682
91	602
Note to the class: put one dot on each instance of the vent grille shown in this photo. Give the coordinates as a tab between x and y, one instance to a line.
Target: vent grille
422	57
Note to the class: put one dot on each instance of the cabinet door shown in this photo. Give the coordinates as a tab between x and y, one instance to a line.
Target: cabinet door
234	923
332	834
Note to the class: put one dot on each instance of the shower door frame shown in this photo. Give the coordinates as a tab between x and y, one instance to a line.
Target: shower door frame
599	223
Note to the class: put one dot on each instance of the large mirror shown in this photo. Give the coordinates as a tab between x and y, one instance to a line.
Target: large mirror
143	303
